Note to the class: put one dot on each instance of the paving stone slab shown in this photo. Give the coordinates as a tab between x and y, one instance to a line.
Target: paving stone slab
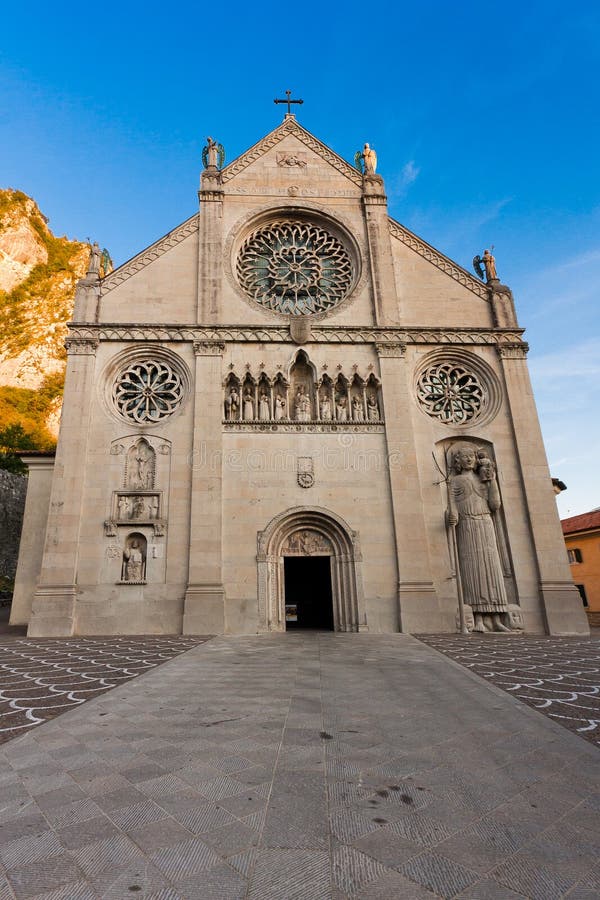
326	767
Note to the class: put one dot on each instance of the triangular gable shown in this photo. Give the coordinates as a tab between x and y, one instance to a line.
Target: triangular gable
143	259
290	127
438	259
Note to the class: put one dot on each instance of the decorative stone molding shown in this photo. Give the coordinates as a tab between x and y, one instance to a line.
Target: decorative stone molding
513	351
291	160
209	348
438	259
317	427
170	240
265	334
391	349
290	127
76	346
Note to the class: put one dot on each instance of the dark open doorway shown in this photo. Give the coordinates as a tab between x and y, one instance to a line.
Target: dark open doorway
308	600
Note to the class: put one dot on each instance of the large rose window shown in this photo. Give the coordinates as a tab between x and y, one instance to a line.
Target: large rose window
450	392
295	268
148	391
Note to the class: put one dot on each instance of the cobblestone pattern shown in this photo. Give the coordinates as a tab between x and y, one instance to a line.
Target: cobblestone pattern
301	767
559	676
40	679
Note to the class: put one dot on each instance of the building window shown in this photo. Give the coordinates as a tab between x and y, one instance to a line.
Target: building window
575	555
581	589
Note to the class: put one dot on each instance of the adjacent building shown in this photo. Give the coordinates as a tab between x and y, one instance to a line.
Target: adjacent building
582	538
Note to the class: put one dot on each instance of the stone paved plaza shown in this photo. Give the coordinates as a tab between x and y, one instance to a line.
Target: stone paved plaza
40	679
299	767
558	676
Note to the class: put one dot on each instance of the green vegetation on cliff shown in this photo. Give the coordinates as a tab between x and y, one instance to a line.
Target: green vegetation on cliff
38	274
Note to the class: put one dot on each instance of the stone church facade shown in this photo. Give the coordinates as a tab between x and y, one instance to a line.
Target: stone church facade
262	418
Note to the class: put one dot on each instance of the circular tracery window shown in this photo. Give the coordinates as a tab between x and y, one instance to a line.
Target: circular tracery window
450	392
296	268
148	391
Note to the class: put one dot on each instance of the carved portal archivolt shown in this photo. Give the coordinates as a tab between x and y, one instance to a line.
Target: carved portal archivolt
305	531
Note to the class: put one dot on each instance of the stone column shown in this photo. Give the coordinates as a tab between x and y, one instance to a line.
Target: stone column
417	598
381	263
560	598
53	608
204	609
210	256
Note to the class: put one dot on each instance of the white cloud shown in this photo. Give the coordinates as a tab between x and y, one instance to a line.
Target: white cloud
401	183
578	360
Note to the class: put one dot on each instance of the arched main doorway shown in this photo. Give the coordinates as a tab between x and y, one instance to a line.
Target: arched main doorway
323	538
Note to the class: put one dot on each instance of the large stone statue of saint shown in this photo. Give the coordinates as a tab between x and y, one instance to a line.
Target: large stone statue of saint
472	501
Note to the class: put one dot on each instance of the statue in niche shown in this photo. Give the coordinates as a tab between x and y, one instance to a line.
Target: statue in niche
372	408
472	502
232	405
279	408
358	413
302	405
133	561
326	408
264	412
124	508
248	405
140	465
341	409
153	507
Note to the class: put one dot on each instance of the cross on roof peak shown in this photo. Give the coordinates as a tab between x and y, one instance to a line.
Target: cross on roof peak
289	102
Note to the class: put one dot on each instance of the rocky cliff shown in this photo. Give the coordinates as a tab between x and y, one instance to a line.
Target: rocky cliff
38	274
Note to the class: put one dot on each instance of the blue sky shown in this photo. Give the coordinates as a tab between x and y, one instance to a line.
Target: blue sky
484	117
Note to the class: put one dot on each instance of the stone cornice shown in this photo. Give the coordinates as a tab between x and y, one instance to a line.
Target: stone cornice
438	259
287	127
264	334
148	255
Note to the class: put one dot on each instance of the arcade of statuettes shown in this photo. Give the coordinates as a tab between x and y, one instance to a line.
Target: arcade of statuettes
291	411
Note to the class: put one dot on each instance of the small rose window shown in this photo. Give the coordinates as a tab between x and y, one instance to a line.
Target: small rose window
451	393
148	391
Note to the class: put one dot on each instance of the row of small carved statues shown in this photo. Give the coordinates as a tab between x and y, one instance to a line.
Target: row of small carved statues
329	407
